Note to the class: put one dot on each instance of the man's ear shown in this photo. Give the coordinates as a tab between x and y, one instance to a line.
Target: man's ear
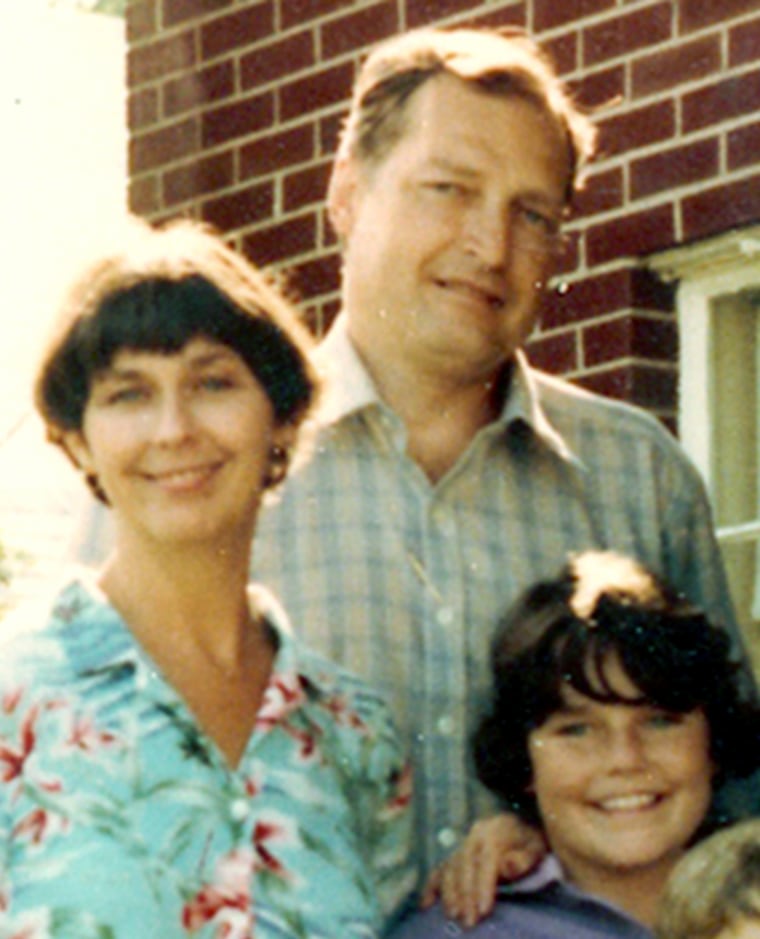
341	196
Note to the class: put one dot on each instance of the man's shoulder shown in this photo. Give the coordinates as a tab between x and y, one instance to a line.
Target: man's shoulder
570	407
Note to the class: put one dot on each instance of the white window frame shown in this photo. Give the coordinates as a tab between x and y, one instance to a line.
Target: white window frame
721	266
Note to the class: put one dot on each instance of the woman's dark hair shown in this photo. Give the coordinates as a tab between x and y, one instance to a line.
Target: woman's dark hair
567	631
160	289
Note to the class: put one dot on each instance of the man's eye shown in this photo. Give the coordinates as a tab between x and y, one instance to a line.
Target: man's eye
535	218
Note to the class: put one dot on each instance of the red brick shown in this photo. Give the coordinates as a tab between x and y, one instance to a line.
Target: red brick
678	166
141	20
272	61
424	14
600	89
306	187
627	33
316	278
744	147
142	108
651	388
602	193
329	132
556	354
202	87
179	11
722	101
563	52
550	13
147	151
630	337
240	208
273	152
716	210
285	240
160	58
696	14
676	66
143	195
244	27
240	119
743	43
636	128
600	294
198	178
298	12
514	15
631	236
364	27
316	91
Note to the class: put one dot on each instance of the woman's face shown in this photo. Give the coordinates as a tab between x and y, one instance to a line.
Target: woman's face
620	788
180	442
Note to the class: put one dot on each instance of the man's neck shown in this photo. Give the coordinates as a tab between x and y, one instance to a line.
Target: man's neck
441	413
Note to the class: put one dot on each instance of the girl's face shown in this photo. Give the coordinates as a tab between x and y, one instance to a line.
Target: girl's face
620	788
180	442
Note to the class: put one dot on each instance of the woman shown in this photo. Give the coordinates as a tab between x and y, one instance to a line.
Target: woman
172	762
616	709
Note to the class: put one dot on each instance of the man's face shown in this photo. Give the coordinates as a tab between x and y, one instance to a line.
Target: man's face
450	237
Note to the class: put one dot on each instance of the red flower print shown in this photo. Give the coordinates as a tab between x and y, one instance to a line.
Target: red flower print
262	833
343	715
13	759
225	899
87	737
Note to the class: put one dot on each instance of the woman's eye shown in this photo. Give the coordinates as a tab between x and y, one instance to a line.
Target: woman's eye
664	719
126	395
216	383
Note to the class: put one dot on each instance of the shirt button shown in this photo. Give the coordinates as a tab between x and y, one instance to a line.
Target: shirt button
447	837
239	810
445	616
445	726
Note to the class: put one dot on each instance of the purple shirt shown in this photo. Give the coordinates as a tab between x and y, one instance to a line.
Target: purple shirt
541	906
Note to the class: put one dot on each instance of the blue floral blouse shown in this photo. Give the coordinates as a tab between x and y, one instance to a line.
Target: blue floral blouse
120	819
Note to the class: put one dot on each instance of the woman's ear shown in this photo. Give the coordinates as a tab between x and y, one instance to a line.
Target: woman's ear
77	450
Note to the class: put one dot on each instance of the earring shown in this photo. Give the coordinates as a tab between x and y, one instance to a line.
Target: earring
95	488
279	459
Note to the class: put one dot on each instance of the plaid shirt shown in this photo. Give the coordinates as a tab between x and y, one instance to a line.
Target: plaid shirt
404	581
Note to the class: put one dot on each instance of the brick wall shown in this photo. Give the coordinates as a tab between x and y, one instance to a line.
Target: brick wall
235	106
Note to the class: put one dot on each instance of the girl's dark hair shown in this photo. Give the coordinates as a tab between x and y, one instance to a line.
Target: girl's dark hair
566	630
163	288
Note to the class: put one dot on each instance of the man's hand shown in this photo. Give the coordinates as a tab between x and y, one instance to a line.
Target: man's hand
498	848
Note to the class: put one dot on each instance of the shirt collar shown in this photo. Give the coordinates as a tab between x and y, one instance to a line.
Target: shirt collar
349	388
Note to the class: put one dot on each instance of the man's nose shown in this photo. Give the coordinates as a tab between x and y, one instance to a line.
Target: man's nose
489	236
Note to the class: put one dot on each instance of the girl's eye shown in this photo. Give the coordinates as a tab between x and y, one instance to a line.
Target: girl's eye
447	187
664	719
572	729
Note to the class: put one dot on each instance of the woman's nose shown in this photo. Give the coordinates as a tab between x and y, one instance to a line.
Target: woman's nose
173	419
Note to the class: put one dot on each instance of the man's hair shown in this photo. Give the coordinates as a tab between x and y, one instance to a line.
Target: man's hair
604	608
714	887
161	288
504	62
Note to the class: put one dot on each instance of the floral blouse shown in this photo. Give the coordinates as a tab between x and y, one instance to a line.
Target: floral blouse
120	819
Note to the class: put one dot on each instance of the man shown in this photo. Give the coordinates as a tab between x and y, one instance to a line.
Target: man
447	474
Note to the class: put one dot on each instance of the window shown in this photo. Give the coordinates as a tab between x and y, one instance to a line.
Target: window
718	299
